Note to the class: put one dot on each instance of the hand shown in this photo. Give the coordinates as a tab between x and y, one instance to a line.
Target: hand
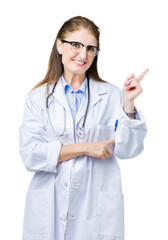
99	150
131	91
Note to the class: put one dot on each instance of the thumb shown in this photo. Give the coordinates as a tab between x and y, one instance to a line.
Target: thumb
110	142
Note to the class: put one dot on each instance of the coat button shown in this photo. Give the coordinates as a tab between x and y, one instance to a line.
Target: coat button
75	185
66	184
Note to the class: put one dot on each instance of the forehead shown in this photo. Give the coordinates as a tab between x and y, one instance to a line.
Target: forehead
82	35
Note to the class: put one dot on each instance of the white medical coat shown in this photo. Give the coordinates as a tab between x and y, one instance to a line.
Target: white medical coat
81	198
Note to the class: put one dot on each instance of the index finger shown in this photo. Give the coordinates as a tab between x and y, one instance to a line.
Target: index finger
142	75
110	142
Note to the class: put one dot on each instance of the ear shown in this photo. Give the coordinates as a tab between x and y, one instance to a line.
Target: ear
59	46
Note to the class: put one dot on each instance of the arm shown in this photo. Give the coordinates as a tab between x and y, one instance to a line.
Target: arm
37	150
99	150
129	136
130	133
70	151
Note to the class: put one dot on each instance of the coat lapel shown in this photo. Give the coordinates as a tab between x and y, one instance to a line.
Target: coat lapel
97	89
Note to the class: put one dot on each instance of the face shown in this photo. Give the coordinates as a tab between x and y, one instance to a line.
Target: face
77	63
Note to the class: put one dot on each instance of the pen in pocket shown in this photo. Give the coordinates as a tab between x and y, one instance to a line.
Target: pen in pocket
116	124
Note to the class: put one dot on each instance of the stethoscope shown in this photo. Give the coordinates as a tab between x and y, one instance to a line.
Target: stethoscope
80	130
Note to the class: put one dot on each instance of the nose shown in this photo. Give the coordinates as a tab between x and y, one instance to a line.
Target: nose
83	53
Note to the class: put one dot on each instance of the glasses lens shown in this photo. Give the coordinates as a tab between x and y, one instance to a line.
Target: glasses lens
91	51
76	47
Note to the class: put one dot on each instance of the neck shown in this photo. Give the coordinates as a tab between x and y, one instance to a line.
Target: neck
74	80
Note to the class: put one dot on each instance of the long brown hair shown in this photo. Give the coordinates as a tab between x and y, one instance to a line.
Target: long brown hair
55	66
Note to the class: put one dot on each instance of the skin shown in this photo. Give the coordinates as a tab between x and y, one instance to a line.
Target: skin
75	67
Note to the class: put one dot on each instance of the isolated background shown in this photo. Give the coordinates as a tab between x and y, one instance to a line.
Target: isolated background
133	37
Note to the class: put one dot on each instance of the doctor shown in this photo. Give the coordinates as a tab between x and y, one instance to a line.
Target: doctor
75	126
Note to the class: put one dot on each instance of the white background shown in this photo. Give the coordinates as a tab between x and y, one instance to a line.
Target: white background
133	37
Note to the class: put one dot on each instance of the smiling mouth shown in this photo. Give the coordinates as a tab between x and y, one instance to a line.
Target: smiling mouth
78	62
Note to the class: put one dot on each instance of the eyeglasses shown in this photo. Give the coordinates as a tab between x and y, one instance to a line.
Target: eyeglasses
77	47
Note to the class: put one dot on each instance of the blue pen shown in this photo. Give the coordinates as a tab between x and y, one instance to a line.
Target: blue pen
116	124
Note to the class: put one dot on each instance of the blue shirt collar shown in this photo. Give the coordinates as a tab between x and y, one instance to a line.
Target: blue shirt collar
67	87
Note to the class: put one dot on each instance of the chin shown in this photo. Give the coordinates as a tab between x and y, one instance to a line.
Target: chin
79	71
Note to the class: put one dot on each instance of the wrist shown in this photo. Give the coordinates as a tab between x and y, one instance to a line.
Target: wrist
131	115
129	107
84	147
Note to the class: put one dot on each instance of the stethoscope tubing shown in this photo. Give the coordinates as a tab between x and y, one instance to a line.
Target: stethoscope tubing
50	94
80	131
83	125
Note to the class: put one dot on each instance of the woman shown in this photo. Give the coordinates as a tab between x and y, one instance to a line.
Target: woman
75	125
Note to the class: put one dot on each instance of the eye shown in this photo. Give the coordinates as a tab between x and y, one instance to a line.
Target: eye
91	48
76	45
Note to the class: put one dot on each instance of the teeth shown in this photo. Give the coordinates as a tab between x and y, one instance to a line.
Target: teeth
79	62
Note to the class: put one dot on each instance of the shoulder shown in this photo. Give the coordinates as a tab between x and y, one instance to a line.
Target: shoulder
107	87
37	96
39	91
111	87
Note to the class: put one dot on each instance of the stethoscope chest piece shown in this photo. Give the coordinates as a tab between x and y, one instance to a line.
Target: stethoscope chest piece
80	132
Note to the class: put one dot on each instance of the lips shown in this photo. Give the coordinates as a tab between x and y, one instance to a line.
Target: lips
79	62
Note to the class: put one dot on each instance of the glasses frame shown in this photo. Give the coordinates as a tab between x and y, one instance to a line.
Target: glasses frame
71	42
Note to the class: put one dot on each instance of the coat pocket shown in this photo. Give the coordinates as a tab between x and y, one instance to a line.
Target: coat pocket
36	212
101	133
106	132
110	216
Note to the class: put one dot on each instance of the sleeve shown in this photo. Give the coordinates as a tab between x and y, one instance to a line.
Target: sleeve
37	150
129	136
